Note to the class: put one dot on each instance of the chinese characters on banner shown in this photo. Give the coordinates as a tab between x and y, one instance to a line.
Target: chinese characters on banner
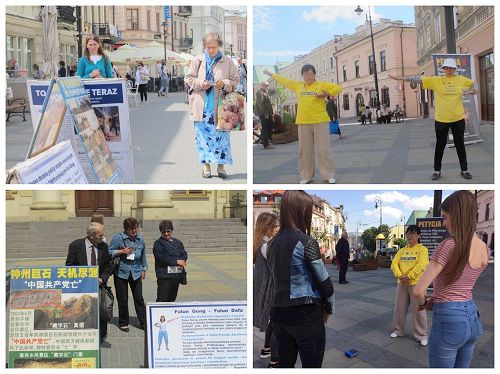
54	317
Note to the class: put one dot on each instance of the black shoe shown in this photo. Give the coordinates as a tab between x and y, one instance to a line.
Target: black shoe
265	352
465	174
436	175
124	328
343	282
273	365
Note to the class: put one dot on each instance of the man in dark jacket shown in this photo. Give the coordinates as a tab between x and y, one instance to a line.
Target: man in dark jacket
264	109
92	251
342	253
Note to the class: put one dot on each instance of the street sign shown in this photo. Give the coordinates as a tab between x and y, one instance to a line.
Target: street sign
157	36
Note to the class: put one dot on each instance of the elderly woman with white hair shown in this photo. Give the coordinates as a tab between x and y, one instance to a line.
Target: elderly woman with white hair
448	90
209	73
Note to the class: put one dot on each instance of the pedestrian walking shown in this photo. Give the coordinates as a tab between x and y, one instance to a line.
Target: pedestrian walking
331	109
408	266
37	73
131	271
369	114
265	228
342	255
170	262
448	91
141	80
164	79
242	72
62	69
312	120
362	113
264	109
209	73
454	269
303	298
398	114
94	64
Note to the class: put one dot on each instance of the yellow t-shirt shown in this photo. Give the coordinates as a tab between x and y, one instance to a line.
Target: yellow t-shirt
448	94
311	109
410	261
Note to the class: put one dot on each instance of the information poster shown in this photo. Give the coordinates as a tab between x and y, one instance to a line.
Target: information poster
54	317
57	165
432	232
199	335
465	68
109	101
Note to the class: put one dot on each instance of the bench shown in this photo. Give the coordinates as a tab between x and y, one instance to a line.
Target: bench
16	108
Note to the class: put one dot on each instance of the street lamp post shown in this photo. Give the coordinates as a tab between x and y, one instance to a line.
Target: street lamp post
378	203
403	219
358	11
164	24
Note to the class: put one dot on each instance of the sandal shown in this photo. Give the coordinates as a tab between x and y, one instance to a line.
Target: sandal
465	174
436	175
206	174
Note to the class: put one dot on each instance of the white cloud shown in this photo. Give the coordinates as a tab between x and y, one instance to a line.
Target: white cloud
420	203
388	197
262	18
328	14
388	212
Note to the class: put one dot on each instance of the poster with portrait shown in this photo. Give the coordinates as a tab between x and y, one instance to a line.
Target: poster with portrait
109	101
53	317
197	335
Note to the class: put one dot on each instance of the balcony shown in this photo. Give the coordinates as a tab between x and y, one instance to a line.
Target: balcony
185	11
186	43
107	32
480	16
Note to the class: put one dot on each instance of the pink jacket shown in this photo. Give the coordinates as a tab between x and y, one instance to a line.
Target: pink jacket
224	70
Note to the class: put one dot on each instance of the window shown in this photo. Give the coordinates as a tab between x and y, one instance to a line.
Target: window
356	68
21	49
371	64
344	73
263	199
373	98
437	28
487	212
382	61
385	97
277	199
176	31
133	19
345	103
157	21
331	62
148	19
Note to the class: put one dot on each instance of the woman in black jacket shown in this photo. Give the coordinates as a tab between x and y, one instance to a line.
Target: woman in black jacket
170	261
303	297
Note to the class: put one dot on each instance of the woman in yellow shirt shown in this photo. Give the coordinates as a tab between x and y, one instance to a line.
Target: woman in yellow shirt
408	266
312	120
448	91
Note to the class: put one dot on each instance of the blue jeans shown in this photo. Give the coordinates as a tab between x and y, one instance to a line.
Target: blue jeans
455	328
162	335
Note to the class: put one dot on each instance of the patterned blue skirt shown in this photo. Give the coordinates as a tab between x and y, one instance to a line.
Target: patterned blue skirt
213	146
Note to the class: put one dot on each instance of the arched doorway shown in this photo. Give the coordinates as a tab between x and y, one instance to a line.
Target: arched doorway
359	102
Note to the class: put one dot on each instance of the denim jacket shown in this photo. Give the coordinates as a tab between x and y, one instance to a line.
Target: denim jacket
127	267
299	275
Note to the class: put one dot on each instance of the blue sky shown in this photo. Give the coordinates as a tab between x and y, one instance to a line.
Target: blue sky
360	205
287	31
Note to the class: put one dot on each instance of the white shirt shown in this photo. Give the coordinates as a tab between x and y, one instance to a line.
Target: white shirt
163	326
138	78
88	247
95	58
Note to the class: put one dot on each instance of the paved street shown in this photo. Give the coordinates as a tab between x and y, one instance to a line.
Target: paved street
363	321
211	277
162	144
390	153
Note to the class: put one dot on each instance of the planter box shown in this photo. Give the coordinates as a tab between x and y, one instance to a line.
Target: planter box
291	134
384	261
371	264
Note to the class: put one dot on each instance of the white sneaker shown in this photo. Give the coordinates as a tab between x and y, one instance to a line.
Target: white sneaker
304	181
394	335
423	342
332	181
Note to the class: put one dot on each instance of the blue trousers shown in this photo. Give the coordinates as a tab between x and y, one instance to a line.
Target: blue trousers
456	326
162	335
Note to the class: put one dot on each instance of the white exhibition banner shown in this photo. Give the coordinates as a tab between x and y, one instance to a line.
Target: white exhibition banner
109	101
57	165
197	335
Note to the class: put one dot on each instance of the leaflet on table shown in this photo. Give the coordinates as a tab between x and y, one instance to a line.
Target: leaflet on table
197	335
109	101
57	165
53	317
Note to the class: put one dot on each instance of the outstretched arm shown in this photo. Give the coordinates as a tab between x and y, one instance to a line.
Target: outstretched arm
409	78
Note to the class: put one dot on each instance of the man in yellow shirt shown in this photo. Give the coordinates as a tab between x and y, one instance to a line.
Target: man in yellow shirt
312	120
448	91
408	266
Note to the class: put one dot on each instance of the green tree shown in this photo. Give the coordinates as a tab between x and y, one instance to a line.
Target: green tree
368	237
400	242
320	236
280	96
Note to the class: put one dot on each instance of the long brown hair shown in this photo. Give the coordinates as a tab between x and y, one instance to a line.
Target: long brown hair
296	211
461	207
265	222
99	50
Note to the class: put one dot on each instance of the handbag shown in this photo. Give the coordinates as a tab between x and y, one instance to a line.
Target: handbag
106	301
230	111
183	280
334	127
115	264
